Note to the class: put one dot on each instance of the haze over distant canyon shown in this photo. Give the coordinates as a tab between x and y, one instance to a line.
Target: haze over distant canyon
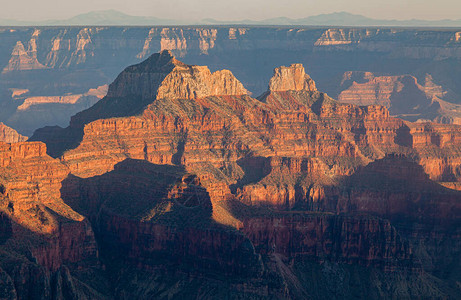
230	162
51	73
179	184
118	18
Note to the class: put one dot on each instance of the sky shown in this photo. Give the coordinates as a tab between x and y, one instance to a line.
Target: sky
32	10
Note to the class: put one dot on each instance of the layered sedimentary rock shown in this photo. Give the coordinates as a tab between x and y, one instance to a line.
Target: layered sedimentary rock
402	95
165	77
9	135
292	78
361	240
31	182
40	234
33	102
40	111
180	167
22	59
291	120
58	61
170	219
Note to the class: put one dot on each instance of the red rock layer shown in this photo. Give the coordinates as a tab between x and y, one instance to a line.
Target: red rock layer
30	197
157	212
214	249
293	148
208	135
362	240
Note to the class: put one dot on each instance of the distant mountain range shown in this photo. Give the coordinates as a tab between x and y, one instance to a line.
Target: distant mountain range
113	17
103	17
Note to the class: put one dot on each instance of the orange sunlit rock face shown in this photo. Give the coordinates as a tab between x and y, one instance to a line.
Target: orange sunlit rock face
182	163
9	135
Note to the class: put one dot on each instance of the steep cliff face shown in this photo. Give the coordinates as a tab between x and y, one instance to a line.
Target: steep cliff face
22	59
9	135
31	182
402	95
40	233
56	62
167	218
21	160
361	240
64	47
292	78
179	166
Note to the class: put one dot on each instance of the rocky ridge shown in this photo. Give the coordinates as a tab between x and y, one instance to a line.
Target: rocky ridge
164	76
32	102
267	185
54	62
9	135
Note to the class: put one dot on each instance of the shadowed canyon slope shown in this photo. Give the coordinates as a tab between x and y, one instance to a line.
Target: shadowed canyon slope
49	73
189	187
402	95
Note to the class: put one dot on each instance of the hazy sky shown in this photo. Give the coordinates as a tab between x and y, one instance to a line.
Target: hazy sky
233	9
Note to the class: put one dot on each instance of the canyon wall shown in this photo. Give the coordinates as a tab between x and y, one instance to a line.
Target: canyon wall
178	175
57	62
402	95
9	135
41	235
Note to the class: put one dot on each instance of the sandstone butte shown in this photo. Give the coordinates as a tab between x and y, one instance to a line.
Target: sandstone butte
178	168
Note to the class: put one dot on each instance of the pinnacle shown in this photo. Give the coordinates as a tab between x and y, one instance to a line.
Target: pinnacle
292	78
162	62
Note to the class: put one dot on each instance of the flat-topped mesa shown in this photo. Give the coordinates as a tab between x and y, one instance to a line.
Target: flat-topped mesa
194	82
162	76
292	78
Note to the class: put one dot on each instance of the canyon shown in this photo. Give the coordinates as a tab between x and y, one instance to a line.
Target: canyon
179	183
60	63
402	95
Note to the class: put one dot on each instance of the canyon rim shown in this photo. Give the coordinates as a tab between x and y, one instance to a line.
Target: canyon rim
244	149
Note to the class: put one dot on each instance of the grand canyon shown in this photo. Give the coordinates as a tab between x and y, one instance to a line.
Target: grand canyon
230	163
49	74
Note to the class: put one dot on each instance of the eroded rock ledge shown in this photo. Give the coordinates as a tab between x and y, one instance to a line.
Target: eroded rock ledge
289	177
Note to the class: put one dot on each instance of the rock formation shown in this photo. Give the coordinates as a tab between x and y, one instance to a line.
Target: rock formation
56	62
292	78
9	135
164	76
37	101
39	111
40	234
179	168
402	95
22	59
